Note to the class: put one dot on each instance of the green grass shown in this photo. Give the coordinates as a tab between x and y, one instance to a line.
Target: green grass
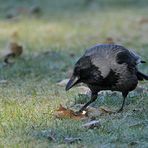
28	100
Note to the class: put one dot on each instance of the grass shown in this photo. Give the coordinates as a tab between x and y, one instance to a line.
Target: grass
28	100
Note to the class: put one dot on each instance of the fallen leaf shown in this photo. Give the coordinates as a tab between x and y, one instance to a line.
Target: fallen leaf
63	112
93	112
72	140
92	124
15	50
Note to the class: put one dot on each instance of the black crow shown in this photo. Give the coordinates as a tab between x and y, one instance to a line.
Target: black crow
107	67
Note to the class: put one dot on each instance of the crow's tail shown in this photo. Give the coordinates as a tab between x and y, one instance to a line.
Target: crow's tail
141	76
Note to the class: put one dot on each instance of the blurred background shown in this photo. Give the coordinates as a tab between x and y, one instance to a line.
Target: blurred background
73	25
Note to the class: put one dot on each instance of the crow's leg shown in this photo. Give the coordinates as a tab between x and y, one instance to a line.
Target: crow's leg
93	98
124	94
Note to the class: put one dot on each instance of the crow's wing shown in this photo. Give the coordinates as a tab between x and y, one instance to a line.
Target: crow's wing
104	56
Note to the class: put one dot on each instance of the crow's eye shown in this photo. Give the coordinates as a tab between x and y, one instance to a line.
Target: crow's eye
77	71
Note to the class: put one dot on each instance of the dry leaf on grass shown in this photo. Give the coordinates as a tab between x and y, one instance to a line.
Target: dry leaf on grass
15	50
90	112
63	112
93	112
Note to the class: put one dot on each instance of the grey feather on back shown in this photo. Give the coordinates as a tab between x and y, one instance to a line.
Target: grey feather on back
104	56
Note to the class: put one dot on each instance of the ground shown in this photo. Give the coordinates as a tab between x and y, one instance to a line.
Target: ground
53	40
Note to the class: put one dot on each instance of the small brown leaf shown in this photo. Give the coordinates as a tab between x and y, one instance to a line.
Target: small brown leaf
63	112
15	50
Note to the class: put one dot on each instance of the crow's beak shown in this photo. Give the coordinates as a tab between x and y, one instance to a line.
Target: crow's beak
71	82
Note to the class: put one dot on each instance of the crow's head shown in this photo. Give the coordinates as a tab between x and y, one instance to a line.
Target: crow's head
81	73
75	78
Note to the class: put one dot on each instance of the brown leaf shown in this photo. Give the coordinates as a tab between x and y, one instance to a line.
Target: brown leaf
15	50
93	112
63	112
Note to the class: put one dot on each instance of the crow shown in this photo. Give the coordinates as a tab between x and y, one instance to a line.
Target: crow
107	67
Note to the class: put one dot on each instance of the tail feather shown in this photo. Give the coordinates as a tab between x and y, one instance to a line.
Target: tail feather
141	76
